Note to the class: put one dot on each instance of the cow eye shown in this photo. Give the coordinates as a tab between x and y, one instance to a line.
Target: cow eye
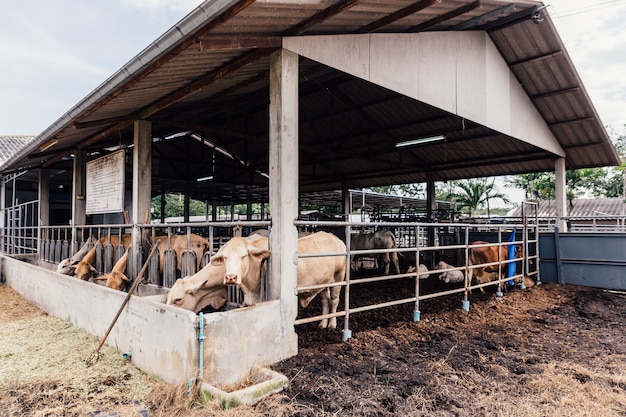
177	300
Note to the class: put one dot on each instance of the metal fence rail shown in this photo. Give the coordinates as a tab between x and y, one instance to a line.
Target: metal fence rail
20	231
420	243
525	235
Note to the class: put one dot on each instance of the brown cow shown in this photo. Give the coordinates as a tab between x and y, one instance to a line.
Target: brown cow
84	269
178	243
116	279
381	239
241	259
488	254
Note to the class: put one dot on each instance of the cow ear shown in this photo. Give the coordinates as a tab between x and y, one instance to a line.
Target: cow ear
259	253
94	270
217	259
125	278
104	278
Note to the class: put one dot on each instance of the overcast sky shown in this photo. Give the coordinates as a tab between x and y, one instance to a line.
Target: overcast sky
54	53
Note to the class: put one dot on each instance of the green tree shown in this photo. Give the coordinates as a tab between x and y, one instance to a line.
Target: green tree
175	206
408	190
473	194
598	182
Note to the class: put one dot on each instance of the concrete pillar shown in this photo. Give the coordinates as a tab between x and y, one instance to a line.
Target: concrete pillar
162	207
142	170
79	181
560	193
431	207
346	203
186	204
44	197
142	185
43	202
283	188
431	201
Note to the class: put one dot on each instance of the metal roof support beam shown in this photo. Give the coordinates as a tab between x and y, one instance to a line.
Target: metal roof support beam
460	72
538	58
560	191
231	43
320	17
283	190
409	10
479	20
43	196
446	16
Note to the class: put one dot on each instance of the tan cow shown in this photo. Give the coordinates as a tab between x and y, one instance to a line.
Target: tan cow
202	289
242	262
206	287
84	269
488	254
116	279
381	239
178	243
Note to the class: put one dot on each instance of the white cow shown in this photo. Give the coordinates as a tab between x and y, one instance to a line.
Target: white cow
422	271
449	277
242	259
206	287
65	266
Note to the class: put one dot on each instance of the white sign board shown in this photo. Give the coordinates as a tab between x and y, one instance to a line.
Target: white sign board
105	184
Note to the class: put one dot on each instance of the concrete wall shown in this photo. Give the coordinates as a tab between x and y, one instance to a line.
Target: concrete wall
162	339
462	73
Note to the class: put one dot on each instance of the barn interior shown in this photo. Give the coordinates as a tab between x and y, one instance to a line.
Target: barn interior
204	90
204	87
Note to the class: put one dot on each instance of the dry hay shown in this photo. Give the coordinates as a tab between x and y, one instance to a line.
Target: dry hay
550	350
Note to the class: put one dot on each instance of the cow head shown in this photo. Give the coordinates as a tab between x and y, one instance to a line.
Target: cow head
182	294
195	295
115	280
84	270
67	266
237	256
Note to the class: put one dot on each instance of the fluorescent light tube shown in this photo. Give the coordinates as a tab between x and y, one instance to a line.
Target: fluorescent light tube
419	141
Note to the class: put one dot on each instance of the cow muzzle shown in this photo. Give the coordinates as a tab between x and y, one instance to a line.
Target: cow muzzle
231	279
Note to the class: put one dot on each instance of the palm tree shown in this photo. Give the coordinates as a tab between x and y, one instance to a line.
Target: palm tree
474	193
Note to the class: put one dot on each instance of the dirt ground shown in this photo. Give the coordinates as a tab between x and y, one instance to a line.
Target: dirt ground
545	351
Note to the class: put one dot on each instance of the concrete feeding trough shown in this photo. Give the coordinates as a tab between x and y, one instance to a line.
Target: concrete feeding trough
260	383
160	339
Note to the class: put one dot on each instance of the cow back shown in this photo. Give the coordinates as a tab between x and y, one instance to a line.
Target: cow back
321	270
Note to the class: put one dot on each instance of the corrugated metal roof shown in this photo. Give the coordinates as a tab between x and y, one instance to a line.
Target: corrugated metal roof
209	75
580	207
11	145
